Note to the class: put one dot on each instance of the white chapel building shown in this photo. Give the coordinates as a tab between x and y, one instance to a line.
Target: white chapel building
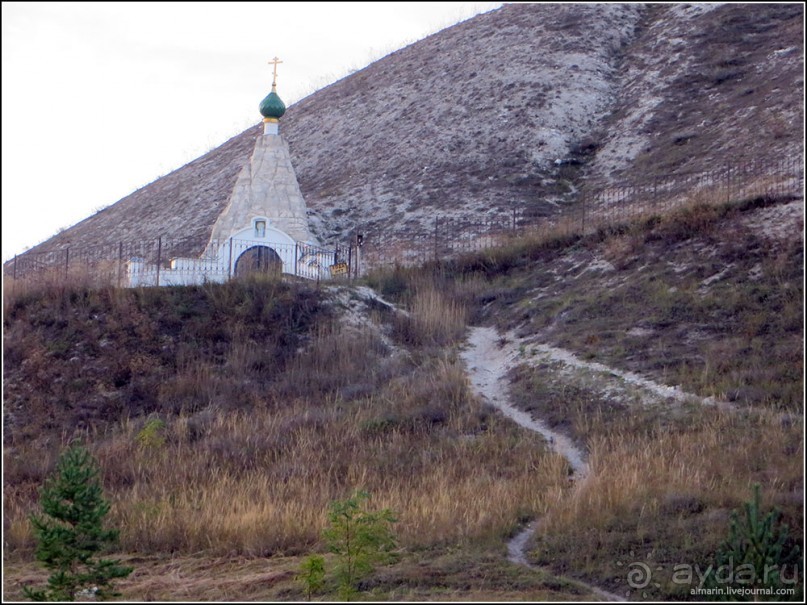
263	228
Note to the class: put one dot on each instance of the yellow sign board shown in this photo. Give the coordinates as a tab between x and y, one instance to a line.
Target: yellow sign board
339	269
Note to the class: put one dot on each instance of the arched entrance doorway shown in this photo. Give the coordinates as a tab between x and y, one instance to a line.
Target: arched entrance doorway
258	260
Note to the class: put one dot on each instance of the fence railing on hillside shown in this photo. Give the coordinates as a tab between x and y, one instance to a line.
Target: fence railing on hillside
167	261
445	237
606	206
152	262
732	182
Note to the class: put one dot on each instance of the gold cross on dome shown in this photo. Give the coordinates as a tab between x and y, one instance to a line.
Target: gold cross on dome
274	63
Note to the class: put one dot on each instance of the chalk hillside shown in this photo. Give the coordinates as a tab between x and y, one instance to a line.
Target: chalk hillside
489	114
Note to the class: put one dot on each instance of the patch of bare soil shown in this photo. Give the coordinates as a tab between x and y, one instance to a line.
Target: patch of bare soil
489	358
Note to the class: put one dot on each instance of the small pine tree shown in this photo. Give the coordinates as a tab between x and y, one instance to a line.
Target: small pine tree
70	535
757	552
359	538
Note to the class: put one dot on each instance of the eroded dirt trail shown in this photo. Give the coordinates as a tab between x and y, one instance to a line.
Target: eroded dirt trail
488	358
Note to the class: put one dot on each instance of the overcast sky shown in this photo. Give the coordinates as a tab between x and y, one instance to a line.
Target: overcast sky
99	99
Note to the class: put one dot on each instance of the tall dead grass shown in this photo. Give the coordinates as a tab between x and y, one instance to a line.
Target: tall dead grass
47	280
259	482
665	495
255	476
434	318
714	461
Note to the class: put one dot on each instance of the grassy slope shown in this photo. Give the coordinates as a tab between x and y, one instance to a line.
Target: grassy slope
435	575
692	299
109	353
273	407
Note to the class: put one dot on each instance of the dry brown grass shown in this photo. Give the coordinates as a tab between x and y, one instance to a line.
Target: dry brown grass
435	317
662	493
261	481
254	477
48	279
714	459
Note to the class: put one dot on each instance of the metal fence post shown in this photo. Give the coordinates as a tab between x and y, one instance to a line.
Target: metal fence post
120	263
230	262
66	260
15	266
350	262
436	234
159	257
583	216
296	257
728	183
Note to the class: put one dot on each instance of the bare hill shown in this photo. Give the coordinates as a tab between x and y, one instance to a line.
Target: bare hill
490	114
707	85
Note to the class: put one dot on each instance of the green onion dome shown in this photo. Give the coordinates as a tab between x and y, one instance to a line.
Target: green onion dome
272	106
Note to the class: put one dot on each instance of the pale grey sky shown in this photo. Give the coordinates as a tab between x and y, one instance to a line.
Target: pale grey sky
99	99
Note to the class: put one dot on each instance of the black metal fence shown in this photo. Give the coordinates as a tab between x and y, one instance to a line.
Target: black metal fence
165	260
610	205
443	238
737	183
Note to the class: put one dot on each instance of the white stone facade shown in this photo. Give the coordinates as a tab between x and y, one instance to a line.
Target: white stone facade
267	186
264	227
222	262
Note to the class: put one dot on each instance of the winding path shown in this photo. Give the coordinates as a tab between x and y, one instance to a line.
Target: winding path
488	358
